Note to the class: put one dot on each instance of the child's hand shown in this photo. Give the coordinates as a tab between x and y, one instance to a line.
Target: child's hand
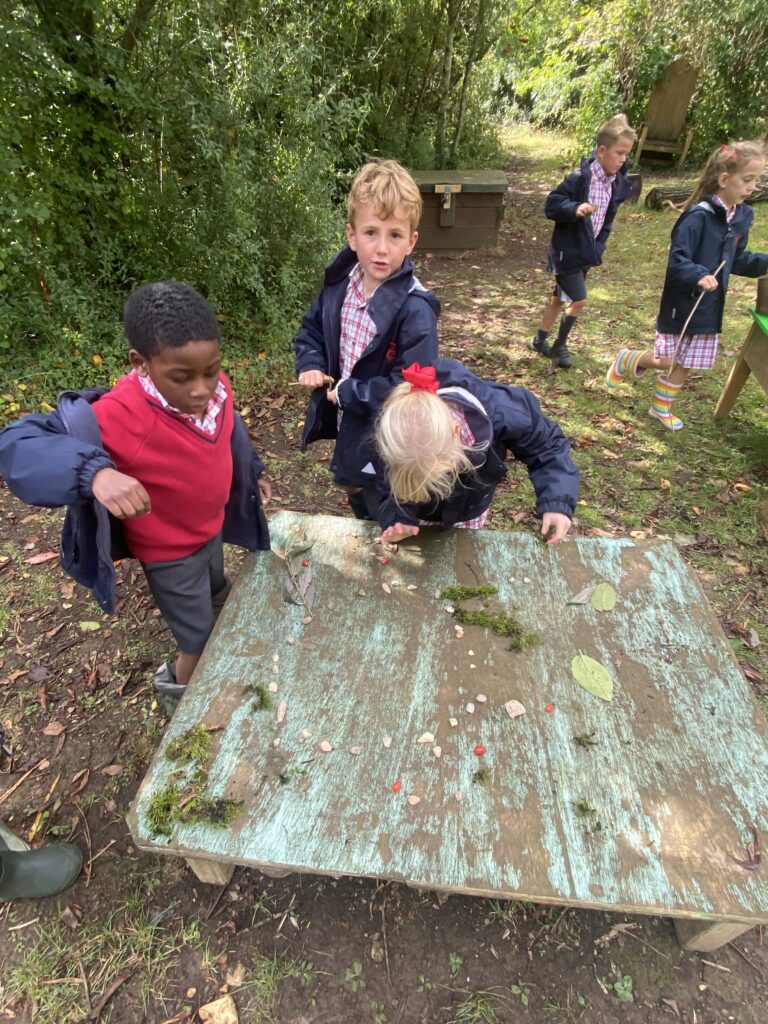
120	494
585	210
556	521
397	532
314	379
265	491
708	282
332	396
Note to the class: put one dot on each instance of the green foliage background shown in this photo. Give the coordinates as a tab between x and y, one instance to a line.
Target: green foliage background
214	140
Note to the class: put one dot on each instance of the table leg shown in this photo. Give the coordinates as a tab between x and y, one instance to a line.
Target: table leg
211	871
706	936
734	384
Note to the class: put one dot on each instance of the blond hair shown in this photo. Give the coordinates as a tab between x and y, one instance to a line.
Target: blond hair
727	159
417	438
614	129
388	187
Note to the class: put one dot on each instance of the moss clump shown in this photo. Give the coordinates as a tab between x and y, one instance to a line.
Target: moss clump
482	775
466	593
194	745
163	810
582	809
263	698
291	772
501	624
586	739
219	812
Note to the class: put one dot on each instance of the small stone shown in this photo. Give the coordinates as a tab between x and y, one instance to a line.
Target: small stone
526	580
437	751
413	800
471	654
426	737
290	640
191	992
306	620
387	741
481	698
458	795
326	747
275	668
282	707
306	733
355	750
386	588
514	708
473	666
459	632
272	687
361	593
453	722
275	657
449	608
470	708
412	586
276	742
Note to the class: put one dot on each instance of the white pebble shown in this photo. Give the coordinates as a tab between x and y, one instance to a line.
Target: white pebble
290	640
437	751
326	747
473	666
481	698
458	795
412	586
275	657
386	588
471	654
306	733
387	741
470	708
354	750
276	743
272	687
526	580
426	737
282	707
453	722
459	632
413	800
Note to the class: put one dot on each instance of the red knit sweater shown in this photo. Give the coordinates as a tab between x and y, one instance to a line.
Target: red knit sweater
186	472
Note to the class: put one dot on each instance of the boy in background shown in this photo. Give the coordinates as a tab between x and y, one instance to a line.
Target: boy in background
583	207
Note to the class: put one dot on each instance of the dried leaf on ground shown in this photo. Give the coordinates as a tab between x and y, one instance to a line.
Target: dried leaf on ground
594	677
604	598
43	556
220	1011
90	626
112	769
53	729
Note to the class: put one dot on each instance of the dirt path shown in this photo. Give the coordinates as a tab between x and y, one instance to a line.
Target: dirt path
76	703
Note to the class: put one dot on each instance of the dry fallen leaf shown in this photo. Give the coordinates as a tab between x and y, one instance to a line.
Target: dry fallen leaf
236	975
282	707
53	729
112	769
220	1011
386	588
44	556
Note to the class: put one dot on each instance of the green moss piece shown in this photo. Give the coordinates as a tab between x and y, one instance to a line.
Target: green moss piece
501	624
291	772
482	776
194	745
163	810
582	809
586	739
218	812
263	698
465	593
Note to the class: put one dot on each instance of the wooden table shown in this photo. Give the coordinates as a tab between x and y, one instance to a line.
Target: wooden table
753	358
677	778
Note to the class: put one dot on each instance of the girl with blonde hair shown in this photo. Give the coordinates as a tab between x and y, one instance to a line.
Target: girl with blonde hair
443	436
709	243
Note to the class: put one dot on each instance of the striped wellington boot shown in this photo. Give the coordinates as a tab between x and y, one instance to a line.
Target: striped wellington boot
624	367
661	409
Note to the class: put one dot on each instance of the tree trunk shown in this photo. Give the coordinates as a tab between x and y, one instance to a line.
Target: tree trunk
669	198
473	53
451	8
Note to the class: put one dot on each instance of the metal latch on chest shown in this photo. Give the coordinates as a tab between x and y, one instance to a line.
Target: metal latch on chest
448	206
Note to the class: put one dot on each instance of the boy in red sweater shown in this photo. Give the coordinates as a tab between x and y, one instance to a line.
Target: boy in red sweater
167	456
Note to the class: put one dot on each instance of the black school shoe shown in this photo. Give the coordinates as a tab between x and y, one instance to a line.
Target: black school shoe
540	345
560	355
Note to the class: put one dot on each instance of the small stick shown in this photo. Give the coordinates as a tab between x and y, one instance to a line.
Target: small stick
26	924
384	936
90	848
18	782
685	325
751	963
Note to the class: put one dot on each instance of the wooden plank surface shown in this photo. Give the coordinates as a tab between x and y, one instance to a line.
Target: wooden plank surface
677	777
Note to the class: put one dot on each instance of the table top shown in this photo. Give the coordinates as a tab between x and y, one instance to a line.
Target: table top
761	319
649	819
470	181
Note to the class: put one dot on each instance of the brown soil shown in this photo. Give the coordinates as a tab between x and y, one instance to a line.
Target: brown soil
97	685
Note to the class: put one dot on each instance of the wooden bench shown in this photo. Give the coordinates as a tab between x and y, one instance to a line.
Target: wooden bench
648	820
753	357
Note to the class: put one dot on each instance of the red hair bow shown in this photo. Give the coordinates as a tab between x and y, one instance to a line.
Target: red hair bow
424	378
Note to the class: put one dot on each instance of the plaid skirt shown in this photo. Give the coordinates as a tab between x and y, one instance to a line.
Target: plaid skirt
697	351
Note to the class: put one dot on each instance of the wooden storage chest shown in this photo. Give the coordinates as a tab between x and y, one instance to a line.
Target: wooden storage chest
462	209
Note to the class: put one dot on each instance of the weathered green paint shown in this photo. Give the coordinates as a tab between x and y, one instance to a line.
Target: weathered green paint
677	778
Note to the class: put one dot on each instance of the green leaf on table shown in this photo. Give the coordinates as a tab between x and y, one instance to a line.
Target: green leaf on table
90	627
604	598
593	676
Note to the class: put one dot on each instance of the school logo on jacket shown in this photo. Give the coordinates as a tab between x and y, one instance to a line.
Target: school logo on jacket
391	352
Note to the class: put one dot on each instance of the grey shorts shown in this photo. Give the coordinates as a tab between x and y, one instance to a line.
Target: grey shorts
190	593
571	287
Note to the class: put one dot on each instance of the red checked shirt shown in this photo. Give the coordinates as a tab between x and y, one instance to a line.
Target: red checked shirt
599	195
208	422
357	327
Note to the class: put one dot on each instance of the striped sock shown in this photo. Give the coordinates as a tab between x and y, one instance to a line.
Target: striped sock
661	409
623	366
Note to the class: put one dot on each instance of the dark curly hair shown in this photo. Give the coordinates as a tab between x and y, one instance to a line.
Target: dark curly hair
167	314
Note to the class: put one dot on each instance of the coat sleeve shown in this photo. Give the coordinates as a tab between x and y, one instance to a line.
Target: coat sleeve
43	465
310	347
540	444
561	203
416	340
682	268
749	264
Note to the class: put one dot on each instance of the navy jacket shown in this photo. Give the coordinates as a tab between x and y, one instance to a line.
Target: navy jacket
405	315
509	420
701	239
51	460
574	246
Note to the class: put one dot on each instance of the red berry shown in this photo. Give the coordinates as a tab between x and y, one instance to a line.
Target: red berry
549	707
305	562
480	749
383	560
396	786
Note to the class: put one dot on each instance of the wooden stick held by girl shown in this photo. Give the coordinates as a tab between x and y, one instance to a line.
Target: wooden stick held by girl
443	436
709	237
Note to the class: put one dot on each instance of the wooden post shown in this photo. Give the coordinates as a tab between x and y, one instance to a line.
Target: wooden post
706	936
641	143
686	147
761	302
751	358
211	871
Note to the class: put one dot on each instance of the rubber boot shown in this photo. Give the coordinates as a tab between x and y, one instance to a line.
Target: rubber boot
624	368
661	409
31	874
